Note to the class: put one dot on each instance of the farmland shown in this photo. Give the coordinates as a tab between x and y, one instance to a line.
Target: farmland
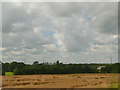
61	81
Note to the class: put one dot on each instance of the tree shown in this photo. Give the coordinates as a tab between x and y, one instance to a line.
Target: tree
5	67
12	66
19	71
35	63
3	72
57	62
107	69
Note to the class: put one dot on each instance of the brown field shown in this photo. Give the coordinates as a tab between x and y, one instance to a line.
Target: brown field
60	81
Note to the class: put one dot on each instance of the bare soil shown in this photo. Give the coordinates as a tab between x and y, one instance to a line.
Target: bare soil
60	81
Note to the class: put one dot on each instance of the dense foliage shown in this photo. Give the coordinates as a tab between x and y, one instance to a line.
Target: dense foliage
19	68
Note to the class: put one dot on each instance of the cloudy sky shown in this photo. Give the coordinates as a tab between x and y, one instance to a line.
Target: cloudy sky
68	32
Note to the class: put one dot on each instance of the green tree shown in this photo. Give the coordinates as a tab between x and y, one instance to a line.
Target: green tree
35	63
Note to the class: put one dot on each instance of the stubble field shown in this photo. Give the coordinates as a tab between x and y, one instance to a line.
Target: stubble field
61	81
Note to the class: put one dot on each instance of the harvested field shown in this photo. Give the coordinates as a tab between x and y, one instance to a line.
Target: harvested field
61	81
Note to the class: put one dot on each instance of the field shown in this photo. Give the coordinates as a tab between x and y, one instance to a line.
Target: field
9	73
61	81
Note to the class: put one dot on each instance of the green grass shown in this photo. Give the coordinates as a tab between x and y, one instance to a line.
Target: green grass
115	85
9	73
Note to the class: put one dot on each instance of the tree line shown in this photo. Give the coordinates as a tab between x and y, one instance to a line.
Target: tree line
19	68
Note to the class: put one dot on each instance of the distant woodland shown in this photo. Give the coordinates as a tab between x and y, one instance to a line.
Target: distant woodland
20	68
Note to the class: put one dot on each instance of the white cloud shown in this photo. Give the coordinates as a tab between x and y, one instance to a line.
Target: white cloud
2	49
50	47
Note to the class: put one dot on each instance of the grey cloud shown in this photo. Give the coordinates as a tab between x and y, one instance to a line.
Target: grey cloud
64	30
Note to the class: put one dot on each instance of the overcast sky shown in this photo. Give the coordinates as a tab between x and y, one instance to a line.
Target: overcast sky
68	32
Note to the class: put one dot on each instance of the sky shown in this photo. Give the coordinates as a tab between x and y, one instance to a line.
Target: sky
69	32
